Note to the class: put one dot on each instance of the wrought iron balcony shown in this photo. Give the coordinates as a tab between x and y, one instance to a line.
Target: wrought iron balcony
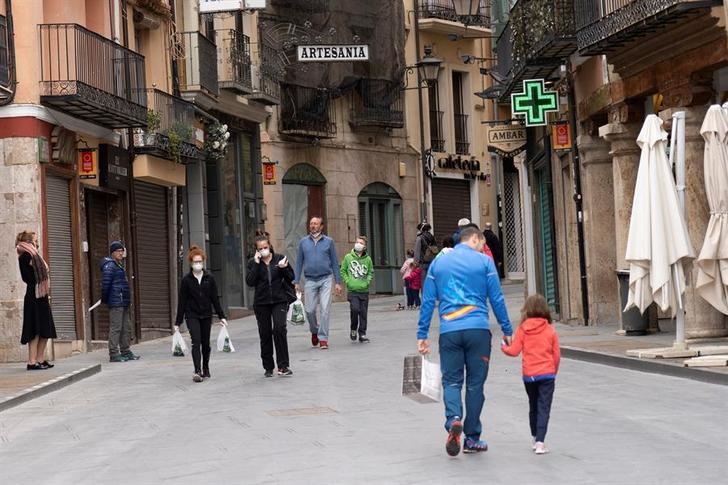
307	112
605	26
377	103
437	139
90	77
234	72
197	63
170	131
462	143
309	6
444	10
267	75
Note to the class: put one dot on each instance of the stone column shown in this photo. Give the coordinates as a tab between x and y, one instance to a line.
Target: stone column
701	319
599	229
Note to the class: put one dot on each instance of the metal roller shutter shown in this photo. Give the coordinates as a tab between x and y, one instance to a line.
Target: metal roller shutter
60	256
97	210
152	253
450	203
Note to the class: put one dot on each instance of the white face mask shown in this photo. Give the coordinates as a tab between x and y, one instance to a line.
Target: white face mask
264	253
359	247
197	267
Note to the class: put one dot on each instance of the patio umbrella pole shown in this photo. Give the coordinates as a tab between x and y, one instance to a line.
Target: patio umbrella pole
678	140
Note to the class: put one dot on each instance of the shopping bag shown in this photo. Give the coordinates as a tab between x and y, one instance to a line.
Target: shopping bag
224	344
431	382
179	347
421	381
297	312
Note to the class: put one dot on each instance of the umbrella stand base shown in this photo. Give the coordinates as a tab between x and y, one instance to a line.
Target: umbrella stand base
677	351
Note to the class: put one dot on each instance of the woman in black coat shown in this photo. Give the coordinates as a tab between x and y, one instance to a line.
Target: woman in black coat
197	298
38	324
272	277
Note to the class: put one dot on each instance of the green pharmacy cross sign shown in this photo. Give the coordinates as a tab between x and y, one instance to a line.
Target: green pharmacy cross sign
534	102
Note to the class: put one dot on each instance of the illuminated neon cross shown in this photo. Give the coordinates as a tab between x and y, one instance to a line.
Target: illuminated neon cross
534	102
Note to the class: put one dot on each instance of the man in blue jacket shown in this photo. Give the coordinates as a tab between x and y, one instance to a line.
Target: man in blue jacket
317	261
116	295
462	281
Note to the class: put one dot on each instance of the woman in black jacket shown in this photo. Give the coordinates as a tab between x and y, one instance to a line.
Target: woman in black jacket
197	298
272	277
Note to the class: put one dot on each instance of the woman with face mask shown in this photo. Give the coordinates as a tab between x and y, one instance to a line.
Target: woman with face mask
272	277
38	324
197	298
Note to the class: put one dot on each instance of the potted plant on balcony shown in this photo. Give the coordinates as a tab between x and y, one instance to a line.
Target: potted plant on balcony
154	121
216	141
179	133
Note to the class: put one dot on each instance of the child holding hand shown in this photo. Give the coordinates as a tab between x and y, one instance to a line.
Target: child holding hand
538	341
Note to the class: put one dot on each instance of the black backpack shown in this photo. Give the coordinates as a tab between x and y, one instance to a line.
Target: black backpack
429	247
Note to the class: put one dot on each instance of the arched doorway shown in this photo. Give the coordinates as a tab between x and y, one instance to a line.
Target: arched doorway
380	219
303	198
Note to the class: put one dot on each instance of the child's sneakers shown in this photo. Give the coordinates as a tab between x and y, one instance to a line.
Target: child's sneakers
452	445
474	446
533	443
539	448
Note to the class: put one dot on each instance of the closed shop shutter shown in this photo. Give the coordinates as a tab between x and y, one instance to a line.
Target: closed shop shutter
60	256
152	254
450	203
97	210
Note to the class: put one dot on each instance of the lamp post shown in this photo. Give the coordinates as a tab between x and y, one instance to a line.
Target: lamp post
466	10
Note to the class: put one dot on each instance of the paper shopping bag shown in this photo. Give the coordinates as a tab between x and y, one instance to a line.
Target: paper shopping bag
413	377
431	382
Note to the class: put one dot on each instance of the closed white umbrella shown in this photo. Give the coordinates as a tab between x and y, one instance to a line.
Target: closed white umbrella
658	245
713	260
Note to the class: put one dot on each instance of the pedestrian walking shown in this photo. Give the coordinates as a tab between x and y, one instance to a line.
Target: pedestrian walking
448	244
357	271
318	264
198	296
463	283
272	277
462	223
414	286
496	248
38	325
425	248
539	342
405	270
116	295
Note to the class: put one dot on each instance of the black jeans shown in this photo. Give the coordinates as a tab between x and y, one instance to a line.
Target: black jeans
540	395
272	330
200	333
359	307
413	297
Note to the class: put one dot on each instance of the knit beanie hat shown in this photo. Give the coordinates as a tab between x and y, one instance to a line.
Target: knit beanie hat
115	246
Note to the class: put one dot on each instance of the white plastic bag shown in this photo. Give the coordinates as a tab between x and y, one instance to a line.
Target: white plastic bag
431	382
296	311
224	344
179	347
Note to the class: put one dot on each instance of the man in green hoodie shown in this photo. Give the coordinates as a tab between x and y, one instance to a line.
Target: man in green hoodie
357	272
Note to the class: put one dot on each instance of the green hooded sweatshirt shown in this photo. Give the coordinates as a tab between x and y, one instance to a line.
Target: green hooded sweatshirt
357	272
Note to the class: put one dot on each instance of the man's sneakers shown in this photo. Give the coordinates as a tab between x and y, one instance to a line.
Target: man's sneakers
324	344
117	358
539	448
268	373
452	445
314	340
197	377
130	356
353	335
363	339
285	372
474	446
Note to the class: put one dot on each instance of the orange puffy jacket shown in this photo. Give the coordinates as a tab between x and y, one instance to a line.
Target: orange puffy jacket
538	341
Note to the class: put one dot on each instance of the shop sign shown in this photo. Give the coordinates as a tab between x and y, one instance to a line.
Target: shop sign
269	174
469	166
506	140
214	6
561	136
333	53
534	102
115	167
87	164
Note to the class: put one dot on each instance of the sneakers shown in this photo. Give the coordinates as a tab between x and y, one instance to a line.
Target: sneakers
314	340
268	373
533	443
197	377
452	445
285	372
324	344
118	358
363	339
36	366
474	446
539	448
47	365
130	356
206	373
352	335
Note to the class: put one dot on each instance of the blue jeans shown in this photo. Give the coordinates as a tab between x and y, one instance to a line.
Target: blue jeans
315	293
469	351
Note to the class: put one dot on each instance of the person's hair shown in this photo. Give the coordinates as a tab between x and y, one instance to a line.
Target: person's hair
261	238
448	242
195	251
470	231
473	225
535	306
426	227
363	238
410	253
419	226
321	219
25	236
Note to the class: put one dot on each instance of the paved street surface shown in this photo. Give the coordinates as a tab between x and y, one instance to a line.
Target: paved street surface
341	419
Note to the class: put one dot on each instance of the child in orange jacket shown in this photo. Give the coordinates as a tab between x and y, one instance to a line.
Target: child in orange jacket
538	341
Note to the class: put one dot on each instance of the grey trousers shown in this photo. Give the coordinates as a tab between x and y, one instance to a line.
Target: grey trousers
119	331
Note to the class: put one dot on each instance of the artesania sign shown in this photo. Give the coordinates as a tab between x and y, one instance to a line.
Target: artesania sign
332	53
213	6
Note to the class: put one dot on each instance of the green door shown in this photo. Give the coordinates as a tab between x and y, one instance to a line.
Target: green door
549	282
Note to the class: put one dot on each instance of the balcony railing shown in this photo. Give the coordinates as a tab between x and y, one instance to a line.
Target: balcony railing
234	72
198	65
307	112
444	10
377	103
170	131
462	143
607	25
267	75
90	77
437	139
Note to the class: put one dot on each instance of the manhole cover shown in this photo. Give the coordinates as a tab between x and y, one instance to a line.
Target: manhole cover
302	411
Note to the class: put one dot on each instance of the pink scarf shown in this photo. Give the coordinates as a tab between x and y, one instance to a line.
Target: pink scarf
40	267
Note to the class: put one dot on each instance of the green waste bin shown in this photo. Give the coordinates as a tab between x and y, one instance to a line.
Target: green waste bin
633	322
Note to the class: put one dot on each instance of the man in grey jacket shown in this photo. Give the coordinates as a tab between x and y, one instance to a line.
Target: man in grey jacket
318	263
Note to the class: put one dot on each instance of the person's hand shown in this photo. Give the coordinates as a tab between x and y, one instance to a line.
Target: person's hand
508	339
423	347
298	288
176	328
223	322
283	262
338	289
257	257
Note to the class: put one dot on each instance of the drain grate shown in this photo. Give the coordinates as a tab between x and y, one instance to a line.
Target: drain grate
313	411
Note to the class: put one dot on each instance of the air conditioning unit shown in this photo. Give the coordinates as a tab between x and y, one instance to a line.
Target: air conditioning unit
213	6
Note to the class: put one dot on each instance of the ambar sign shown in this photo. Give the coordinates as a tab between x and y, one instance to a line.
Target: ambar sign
507	140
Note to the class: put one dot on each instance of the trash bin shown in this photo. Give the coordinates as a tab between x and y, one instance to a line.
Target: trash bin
633	322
